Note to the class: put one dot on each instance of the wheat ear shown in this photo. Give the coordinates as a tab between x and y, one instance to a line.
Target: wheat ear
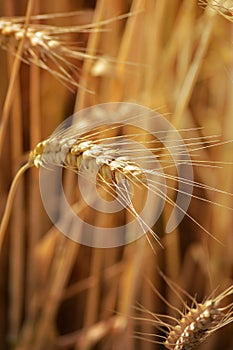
199	322
191	327
224	8
43	44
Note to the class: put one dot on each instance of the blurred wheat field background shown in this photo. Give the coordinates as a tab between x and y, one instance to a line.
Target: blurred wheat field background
171	56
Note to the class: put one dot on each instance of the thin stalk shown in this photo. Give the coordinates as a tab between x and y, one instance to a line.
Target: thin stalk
14	74
9	203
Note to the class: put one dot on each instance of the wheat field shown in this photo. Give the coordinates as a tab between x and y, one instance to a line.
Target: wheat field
175	58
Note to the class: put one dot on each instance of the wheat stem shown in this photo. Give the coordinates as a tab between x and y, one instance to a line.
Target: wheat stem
9	203
14	73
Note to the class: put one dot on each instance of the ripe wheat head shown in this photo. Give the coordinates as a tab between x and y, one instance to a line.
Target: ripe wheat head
50	47
120	159
189	328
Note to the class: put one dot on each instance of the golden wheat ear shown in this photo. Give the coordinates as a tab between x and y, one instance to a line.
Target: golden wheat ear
47	46
224	8
10	199
189	328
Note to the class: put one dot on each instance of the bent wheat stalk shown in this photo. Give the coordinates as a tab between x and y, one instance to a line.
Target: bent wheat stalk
10	199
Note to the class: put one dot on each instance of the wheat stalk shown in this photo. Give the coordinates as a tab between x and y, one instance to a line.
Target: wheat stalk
9	203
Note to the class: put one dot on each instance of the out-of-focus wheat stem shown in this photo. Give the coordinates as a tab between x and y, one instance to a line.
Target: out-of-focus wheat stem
37	336
14	73
81	99
17	250
194	69
91	313
86	339
125	48
133	256
221	220
34	220
16	246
